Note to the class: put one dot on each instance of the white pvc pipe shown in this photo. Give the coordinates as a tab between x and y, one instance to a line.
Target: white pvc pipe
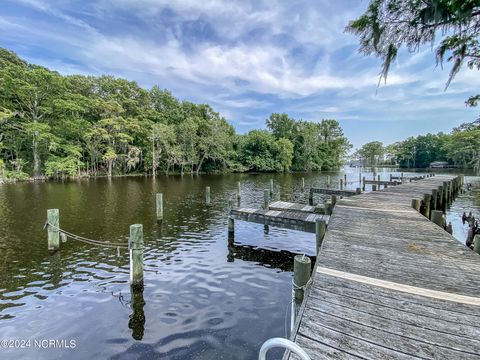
280	342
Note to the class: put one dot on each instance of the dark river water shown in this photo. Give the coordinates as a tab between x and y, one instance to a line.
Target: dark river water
200	301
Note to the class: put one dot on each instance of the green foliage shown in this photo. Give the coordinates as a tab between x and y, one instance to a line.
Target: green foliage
70	126
461	148
387	25
372	153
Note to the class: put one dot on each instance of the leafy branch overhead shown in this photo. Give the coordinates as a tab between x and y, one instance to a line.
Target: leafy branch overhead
387	25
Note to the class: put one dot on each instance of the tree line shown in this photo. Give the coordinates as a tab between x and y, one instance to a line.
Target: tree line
73	126
460	148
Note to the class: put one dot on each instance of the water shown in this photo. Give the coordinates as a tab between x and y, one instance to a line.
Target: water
202	299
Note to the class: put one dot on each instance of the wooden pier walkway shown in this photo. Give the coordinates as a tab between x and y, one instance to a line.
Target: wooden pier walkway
390	284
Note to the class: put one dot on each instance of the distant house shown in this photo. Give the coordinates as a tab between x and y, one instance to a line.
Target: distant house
439	164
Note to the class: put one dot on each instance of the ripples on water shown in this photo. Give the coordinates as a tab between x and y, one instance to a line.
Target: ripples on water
203	299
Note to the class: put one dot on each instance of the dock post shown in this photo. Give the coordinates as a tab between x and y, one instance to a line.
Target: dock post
416	204
476	245
271	187
390	177
363	185
345	179
320	229
266	199
278	193
53	218
401	177
303	183
238	192
159	203
434	199
445	195
328	208
358	191
301	275
207	195
341	184
328	180
374	187
437	217
360	178
310	197
427	198
136	255
439	197
334	199
378	179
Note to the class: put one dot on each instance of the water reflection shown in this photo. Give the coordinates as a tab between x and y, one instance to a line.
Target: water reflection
137	319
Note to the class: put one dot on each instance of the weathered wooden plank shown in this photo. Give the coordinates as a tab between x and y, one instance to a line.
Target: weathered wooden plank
289	206
381	182
284	219
327	191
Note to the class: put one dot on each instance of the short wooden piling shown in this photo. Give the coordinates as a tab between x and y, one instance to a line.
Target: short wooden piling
328	208
310	197
136	255
53	218
434	199
427	198
271	187
360	178
303	183
320	229
266	199
437	217
341	184
358	191
328	180
378	177
207	195
476	245
416	204
278	193
301	275
374	187
159	206
333	198
345	179
363	184
238	191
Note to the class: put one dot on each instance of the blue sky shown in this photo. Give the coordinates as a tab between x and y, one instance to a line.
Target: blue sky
245	58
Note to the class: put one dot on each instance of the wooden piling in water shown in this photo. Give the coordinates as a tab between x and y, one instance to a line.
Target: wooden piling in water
333	198
358	191
434	199
238	191
328	208
207	195
301	275
416	204
360	178
266	199
136	255
345	179
374	187
159	206
437	217
303	183
341	184
328	180
363	184
426	205
271	187
53	218
320	229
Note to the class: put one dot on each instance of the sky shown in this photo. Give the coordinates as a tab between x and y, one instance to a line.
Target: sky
247	59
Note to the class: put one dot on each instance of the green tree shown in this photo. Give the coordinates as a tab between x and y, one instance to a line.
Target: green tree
372	153
387	25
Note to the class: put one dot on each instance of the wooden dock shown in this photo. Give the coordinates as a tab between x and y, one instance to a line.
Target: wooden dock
381	182
329	191
390	284
289	206
294	220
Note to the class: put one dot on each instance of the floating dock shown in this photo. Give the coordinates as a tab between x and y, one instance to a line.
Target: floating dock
289	206
390	284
